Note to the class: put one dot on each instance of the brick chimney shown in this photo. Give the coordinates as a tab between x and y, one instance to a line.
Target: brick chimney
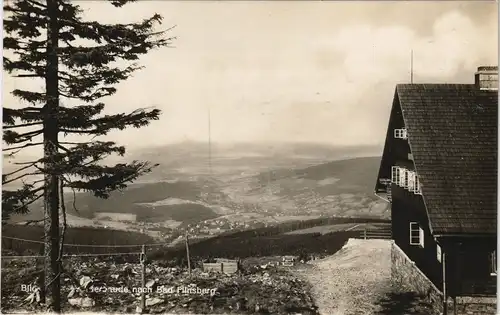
486	78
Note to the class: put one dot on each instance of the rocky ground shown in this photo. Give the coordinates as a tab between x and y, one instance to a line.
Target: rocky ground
108	287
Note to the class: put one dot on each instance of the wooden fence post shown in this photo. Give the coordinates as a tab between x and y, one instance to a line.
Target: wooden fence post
187	254
364	234
143	278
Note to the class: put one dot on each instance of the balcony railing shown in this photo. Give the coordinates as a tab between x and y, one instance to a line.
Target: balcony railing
389	193
406	179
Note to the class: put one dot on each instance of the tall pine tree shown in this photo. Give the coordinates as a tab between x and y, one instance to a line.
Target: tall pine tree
77	60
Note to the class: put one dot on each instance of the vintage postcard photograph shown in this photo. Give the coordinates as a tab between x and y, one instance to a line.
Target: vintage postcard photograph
249	157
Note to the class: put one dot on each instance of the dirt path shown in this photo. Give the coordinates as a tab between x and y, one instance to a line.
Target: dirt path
352	280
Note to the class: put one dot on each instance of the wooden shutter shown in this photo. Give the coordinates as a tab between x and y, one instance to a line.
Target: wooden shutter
493	262
394	174
421	236
411	181
414	233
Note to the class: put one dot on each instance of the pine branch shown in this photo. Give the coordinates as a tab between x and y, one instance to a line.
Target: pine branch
12	137
28	222
16	44
24	18
30	97
111	33
22	146
30	163
109	179
90	86
17	201
74	193
23	125
43	6
73	158
63	148
5	181
138	118
26	204
19	170
120	3
27	114
38	181
23	65
29	75
73	143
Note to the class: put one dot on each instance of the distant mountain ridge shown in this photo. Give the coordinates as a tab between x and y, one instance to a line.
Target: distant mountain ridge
269	149
355	172
182	175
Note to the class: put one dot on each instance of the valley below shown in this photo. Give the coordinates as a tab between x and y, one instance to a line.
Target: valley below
236	190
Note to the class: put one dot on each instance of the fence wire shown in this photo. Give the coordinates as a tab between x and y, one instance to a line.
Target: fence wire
90	246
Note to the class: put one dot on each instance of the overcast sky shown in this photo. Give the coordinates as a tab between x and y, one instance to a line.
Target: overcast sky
280	71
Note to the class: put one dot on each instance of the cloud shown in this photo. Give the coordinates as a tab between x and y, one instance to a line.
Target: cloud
378	54
374	59
316	71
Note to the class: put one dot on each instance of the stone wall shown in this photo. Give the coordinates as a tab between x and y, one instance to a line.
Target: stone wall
476	305
406	277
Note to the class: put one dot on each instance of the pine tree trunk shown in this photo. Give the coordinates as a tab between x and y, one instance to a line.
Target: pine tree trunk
51	227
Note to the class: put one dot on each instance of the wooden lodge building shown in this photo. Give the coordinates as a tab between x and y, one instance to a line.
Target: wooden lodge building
439	172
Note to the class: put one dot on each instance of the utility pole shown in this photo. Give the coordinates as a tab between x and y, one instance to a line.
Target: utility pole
52	286
445	288
269	188
143	277
209	143
411	68
187	254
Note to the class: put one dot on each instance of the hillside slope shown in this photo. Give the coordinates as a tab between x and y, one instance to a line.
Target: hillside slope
356	280
349	175
352	280
138	199
343	187
188	195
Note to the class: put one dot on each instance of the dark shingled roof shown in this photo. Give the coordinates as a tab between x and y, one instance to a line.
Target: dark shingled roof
452	132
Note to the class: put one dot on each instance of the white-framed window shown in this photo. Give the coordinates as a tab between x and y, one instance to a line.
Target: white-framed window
416	234
421	233
406	178
395	175
400	133
493	263
402	177
438	252
417	189
411	181
385	181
